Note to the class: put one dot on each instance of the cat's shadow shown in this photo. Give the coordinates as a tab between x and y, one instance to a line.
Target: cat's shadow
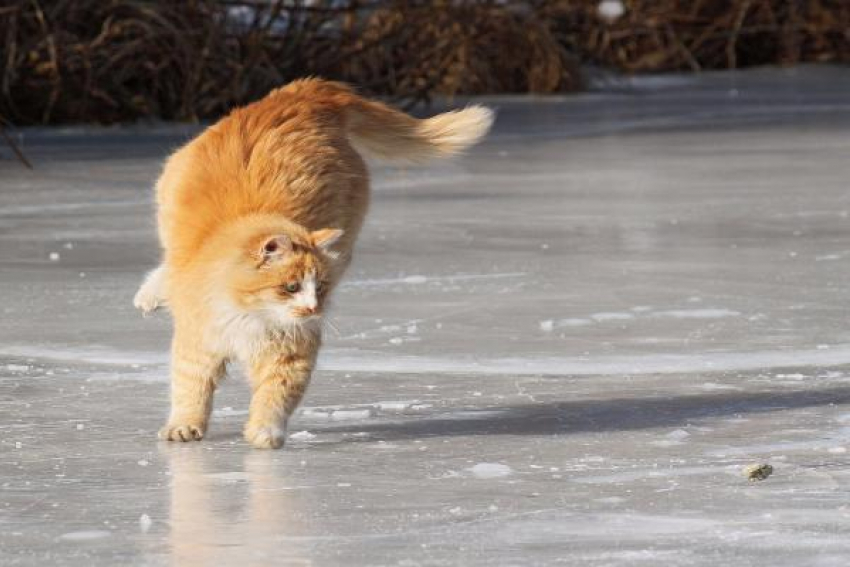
589	416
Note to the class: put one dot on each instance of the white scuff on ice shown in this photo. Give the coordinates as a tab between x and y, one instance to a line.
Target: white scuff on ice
399	405
717	313
713	386
348	360
145	523
85	535
678	435
675	437
87	354
360	411
230	412
420	279
314	413
351	414
490	470
649	473
611	316
235	476
551	324
345	360
302	436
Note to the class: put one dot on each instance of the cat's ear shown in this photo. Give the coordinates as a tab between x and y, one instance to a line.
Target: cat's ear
275	248
325	238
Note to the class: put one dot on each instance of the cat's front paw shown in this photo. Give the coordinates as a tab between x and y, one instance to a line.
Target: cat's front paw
146	300
265	437
181	432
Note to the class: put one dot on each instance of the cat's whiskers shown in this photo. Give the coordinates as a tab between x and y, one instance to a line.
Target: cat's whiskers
327	321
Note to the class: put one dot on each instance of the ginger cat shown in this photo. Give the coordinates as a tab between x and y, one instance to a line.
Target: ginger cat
257	218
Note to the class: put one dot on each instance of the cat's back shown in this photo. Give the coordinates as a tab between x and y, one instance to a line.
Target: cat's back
286	154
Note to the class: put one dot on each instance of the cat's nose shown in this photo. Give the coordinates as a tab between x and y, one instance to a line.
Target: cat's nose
304	311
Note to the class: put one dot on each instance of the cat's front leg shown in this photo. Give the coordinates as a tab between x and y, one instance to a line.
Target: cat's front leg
151	294
195	374
279	382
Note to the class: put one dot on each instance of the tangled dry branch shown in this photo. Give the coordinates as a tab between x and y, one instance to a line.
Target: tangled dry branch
116	60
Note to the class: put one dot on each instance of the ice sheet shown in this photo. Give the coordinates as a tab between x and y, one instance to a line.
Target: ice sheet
564	348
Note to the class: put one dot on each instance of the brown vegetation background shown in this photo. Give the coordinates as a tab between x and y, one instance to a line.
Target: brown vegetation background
116	60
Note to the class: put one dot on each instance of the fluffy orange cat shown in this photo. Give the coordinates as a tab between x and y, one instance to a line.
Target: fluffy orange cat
257	217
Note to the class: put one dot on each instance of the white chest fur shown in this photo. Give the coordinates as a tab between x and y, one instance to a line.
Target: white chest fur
242	334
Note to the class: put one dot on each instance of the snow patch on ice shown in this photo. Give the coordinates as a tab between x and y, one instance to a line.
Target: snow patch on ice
352	414
490	470
230	412
396	406
302	436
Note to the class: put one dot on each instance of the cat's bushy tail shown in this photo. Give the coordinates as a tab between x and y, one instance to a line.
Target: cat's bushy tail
379	130
385	132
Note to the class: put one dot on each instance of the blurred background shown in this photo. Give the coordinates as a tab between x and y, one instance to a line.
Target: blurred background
106	61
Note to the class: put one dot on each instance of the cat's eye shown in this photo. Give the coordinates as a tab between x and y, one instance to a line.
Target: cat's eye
320	286
292	287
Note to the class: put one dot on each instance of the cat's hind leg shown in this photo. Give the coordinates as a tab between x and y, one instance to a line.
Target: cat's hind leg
195	374
151	295
278	382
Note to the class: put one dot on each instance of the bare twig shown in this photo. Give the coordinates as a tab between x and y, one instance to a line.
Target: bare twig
14	147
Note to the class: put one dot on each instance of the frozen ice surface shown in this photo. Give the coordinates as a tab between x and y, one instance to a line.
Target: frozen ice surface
623	297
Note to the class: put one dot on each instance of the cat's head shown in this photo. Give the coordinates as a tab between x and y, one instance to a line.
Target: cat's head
285	277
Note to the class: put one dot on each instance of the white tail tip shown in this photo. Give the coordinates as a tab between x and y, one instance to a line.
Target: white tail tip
452	132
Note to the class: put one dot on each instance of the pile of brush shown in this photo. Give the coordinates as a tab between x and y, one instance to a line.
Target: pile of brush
116	60
674	35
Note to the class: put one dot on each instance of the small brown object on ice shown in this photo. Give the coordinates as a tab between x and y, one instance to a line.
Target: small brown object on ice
758	471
